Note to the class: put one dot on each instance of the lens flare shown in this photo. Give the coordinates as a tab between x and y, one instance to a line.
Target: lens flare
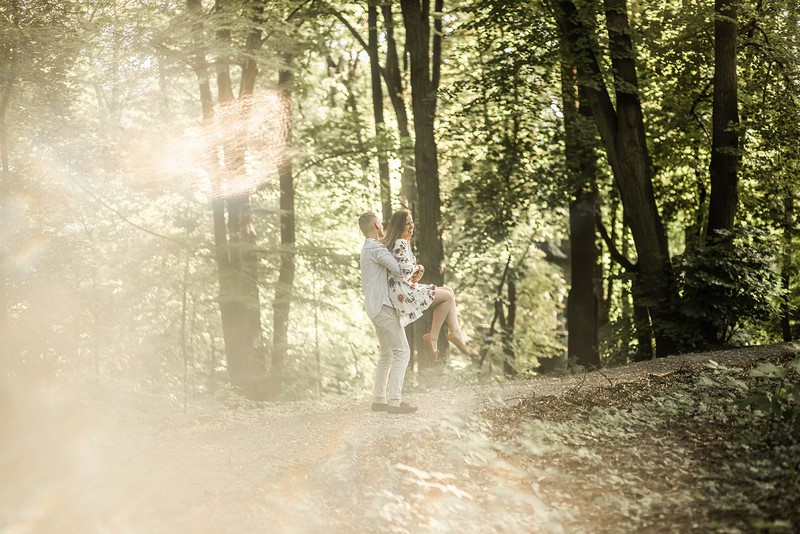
234	152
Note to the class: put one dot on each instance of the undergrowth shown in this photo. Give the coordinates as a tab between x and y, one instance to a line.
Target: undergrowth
712	450
709	450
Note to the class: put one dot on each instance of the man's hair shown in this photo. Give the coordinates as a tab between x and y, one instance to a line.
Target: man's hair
365	221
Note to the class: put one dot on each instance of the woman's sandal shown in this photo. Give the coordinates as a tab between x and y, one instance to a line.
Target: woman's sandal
458	342
431	346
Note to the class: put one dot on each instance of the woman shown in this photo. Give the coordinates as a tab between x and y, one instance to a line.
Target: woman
408	297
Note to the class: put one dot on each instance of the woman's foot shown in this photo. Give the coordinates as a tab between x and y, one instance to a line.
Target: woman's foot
431	345
458	341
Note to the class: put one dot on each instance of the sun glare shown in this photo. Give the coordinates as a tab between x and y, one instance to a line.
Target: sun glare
234	153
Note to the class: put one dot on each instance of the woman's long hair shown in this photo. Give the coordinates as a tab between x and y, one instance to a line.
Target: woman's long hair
395	228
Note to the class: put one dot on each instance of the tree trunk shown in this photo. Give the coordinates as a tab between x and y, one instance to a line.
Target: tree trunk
725	138
625	297
498	313
510	357
581	164
234	238
394	81
283	291
5	169
725	121
787	269
377	108
240	307
623	136
391	75
8	75
425	64
5	186
582	305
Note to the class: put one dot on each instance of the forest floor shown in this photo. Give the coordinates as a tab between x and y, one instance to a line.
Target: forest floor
669	445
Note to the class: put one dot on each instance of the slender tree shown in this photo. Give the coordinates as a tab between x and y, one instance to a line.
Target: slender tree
376	75
377	109
396	91
286	273
9	53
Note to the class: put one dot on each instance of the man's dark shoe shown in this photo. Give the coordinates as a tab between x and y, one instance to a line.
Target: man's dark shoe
379	406
403	408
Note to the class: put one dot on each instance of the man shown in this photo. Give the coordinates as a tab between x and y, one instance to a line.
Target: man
376	264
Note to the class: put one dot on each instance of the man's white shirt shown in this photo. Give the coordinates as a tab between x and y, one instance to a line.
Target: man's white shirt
376	264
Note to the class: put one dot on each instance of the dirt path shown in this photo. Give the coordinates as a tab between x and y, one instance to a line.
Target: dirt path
294	467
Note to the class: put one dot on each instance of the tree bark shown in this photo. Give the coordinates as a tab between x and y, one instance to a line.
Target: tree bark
787	269
234	233
283	291
377	108
425	64
8	75
5	98
581	165
582	305
725	137
622	132
509	325
725	121
394	81
8	61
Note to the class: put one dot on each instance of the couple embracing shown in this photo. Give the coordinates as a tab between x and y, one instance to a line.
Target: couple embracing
393	298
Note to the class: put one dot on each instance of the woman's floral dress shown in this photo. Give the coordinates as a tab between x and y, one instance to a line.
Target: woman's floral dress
409	299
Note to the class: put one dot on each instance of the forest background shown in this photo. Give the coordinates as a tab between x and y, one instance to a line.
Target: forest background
181	183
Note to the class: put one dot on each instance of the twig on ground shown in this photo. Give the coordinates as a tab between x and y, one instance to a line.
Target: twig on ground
602	373
577	388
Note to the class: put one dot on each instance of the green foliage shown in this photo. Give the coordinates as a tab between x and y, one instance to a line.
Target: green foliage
776	393
727	284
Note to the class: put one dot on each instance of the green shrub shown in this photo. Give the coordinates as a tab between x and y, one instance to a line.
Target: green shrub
728	283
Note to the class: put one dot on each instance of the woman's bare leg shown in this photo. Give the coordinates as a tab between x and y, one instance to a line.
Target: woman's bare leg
443	301
452	319
455	336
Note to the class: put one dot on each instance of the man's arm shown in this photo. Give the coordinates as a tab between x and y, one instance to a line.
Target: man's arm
385	258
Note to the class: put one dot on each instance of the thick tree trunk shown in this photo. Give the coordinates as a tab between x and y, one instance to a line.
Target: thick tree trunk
725	121
725	137
240	306
623	136
283	291
425	64
582	305
234	234
581	164
394	81
377	107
